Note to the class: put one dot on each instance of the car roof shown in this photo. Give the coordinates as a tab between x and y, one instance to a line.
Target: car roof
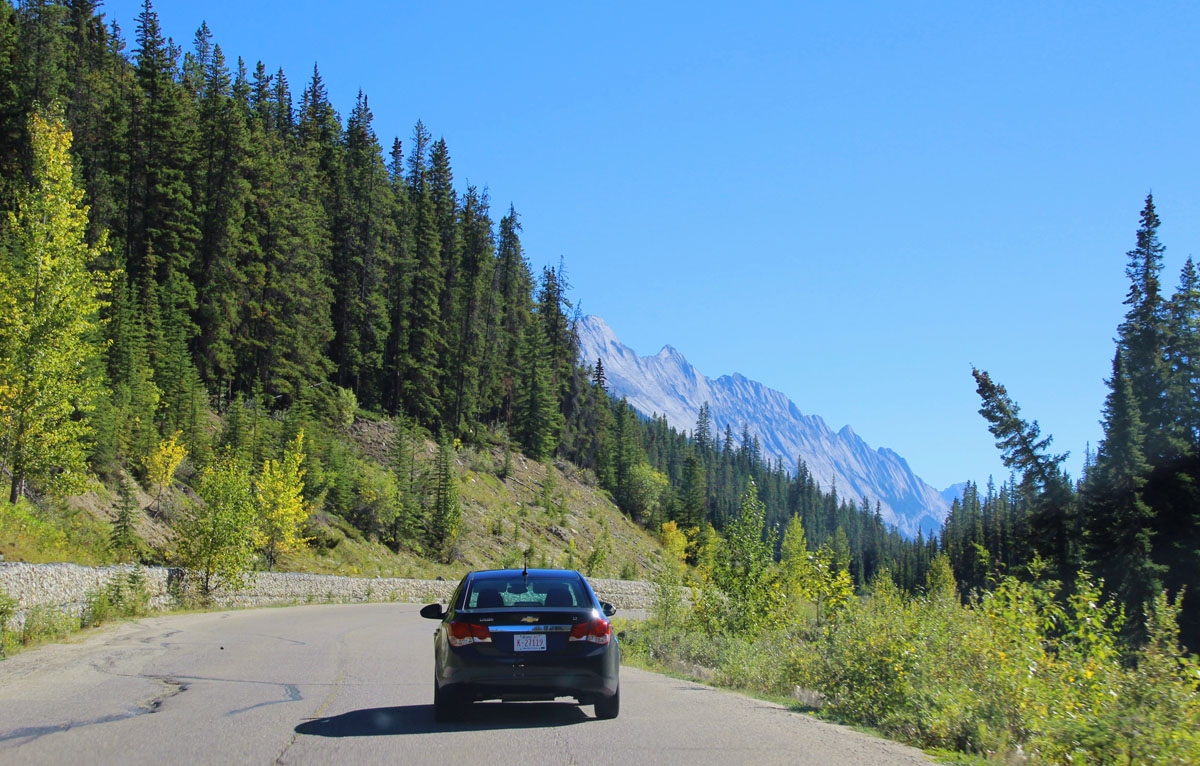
507	574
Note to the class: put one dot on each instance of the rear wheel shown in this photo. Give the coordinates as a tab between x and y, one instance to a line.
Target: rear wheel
609	707
446	706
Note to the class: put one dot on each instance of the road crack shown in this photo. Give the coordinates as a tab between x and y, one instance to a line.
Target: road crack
171	687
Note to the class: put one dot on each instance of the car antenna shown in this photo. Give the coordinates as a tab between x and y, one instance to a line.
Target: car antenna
525	571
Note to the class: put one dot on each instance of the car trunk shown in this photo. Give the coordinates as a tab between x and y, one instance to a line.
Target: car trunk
528	634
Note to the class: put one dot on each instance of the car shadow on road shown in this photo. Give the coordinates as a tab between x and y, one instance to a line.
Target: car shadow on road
418	719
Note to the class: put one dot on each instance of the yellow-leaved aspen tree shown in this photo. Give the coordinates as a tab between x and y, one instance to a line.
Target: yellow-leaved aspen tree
49	315
674	542
279	497
162	464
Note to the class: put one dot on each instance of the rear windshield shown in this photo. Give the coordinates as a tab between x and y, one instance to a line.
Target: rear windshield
493	593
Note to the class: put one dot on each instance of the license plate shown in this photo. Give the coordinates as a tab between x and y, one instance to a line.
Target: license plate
529	642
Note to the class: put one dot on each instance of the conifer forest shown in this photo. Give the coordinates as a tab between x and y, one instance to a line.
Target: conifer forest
238	271
262	258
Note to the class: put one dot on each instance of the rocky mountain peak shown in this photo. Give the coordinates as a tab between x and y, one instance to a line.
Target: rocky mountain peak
667	384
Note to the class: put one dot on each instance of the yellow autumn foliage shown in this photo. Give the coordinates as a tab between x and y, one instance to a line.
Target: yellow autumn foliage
674	541
279	500
50	299
163	462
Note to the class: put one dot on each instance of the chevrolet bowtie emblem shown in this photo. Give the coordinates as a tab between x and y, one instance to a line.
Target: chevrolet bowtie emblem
529	619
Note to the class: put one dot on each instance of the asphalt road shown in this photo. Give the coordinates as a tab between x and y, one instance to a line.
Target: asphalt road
353	685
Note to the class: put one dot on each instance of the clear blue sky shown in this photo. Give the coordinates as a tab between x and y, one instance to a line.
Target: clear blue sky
850	202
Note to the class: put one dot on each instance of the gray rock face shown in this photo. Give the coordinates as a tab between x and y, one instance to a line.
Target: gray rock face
667	384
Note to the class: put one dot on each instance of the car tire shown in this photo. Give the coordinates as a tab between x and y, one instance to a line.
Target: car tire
446	706
609	707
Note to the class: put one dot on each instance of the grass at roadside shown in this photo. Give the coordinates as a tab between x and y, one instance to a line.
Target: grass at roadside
1015	676
125	597
802	702
55	533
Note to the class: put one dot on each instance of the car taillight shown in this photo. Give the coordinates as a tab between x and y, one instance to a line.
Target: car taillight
598	631
463	633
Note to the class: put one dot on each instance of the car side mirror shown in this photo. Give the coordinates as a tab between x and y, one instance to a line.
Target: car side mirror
608	609
432	612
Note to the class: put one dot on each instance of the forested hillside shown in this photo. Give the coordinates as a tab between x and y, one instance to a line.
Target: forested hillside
263	269
244	273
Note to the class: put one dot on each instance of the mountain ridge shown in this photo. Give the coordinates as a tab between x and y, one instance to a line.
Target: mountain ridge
667	384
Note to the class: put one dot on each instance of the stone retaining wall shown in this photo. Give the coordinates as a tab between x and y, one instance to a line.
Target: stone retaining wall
66	588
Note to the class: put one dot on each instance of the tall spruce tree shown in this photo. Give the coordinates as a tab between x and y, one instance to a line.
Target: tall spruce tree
538	421
475	271
1119	535
285	325
361	248
694	500
320	132
398	286
1141	337
1054	521
510	312
1183	362
161	230
222	192
130	406
426	330
443	203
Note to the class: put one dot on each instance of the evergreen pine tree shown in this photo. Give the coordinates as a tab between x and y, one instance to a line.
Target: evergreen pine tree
443	203
161	230
598	378
510	312
695	500
1141	337
1183	362
1053	524
1119	542
398	286
361	248
703	432
538	422
133	398
446	518
426	332
285	320
122	539
475	272
222	193
410	519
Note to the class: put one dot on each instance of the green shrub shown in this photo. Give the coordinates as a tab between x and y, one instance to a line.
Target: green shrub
43	623
8	607
125	596
1026	668
99	609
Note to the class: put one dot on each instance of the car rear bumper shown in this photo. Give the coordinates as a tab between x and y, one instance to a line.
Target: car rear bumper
471	676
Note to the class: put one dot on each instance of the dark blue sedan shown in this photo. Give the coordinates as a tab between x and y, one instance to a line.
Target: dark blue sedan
524	634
